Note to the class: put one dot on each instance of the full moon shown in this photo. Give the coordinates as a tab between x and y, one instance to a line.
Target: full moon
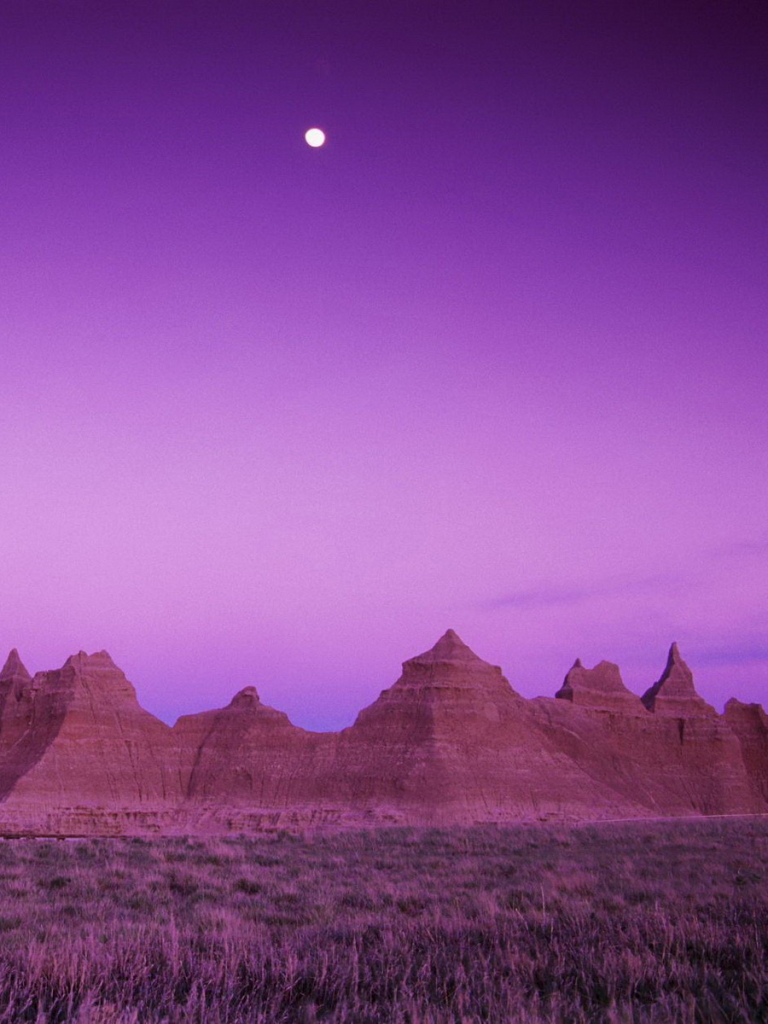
314	137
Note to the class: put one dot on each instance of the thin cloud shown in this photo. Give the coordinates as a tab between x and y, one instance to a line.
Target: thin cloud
554	595
738	549
543	598
726	656
745	652
551	596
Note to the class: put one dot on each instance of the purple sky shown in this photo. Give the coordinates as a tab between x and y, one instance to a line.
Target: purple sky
494	358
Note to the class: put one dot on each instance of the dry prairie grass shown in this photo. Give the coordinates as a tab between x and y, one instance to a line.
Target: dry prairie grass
630	922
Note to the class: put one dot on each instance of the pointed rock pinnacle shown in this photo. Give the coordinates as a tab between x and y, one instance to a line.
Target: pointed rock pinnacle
674	693
14	669
449	648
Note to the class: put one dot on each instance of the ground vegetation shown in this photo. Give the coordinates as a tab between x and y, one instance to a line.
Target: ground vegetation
627	922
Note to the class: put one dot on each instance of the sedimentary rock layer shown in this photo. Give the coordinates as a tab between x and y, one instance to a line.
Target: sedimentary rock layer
601	688
79	735
450	741
750	724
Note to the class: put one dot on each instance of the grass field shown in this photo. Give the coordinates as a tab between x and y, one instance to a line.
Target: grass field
632	921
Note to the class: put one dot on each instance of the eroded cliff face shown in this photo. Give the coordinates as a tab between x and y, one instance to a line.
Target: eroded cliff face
79	735
452	741
750	724
669	751
449	742
600	688
250	755
29	721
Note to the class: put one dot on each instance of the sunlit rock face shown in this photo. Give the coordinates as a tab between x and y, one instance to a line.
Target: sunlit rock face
447	686
248	754
15	710
449	742
750	724
77	735
672	753
600	687
13	674
674	693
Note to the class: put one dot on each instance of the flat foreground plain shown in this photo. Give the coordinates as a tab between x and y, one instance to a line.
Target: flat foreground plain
630	921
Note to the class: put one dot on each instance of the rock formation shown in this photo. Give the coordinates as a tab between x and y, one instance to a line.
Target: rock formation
452	741
600	687
670	751
674	693
77	736
14	687
248	754
449	742
750	724
14	672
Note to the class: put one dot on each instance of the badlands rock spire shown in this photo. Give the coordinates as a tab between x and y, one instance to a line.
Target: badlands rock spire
449	742
674	692
13	672
77	735
600	687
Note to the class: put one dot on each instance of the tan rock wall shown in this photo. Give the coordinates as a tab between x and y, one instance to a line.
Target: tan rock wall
450	741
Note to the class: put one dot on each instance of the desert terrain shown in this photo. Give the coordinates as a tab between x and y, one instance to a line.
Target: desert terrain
449	743
459	854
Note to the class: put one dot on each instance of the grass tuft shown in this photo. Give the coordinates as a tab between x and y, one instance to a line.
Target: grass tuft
632	922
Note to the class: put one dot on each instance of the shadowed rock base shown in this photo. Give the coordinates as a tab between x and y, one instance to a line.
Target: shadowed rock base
449	742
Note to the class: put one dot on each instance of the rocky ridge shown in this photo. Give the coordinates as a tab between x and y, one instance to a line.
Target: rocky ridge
600	687
449	742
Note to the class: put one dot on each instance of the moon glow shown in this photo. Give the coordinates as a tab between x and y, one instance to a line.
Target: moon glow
314	137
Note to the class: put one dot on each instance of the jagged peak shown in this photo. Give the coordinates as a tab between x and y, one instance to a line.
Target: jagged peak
452	665
82	660
674	657
96	673
676	675
248	696
14	668
735	708
606	672
450	647
600	687
675	688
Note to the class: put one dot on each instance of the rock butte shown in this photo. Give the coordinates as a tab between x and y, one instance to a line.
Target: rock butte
449	743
